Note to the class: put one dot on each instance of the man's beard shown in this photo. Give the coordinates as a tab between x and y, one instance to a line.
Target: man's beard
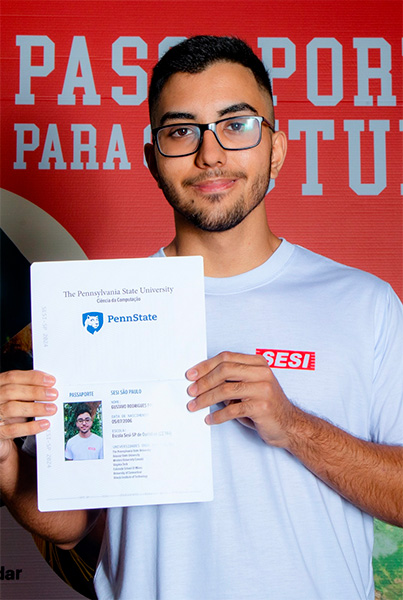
212	220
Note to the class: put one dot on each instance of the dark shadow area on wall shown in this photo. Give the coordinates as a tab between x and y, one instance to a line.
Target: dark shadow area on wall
15	289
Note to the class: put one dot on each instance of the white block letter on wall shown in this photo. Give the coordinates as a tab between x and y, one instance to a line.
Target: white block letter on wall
336	70
22	145
79	58
312	187
354	128
79	146
365	72
267	45
129	70
27	69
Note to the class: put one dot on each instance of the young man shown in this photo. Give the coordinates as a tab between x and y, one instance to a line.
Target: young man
86	445
305	452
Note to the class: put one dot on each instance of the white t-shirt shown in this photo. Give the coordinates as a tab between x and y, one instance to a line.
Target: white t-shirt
334	338
84	448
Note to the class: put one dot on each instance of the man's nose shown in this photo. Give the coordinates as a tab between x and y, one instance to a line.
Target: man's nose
210	152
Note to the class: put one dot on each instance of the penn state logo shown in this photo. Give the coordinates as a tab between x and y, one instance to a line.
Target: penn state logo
93	321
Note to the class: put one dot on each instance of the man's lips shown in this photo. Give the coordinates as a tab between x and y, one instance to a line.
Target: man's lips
215	181
215	186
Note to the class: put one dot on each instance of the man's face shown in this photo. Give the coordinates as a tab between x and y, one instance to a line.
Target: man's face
84	423
214	189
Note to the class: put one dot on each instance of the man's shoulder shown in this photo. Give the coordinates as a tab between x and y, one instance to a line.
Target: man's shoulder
333	269
72	441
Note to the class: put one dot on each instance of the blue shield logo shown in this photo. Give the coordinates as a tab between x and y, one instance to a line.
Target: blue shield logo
93	321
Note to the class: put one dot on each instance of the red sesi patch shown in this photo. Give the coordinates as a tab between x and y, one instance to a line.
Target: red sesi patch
288	359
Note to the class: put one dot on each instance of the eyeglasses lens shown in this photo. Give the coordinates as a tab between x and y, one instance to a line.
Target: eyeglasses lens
238	133
179	139
233	134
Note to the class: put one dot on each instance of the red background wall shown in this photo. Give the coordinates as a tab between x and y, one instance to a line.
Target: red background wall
117	213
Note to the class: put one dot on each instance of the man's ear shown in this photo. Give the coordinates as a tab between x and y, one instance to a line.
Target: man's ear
149	153
279	151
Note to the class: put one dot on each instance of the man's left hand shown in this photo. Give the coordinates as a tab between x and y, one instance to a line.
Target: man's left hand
249	390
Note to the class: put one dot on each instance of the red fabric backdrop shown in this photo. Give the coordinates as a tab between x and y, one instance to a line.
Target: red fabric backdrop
337	66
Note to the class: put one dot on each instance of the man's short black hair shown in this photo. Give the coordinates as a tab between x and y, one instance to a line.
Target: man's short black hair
199	52
82	408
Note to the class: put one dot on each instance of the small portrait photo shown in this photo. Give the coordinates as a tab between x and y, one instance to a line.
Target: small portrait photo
83	431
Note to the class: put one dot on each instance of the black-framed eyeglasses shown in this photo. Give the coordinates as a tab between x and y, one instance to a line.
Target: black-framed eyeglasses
86	420
233	133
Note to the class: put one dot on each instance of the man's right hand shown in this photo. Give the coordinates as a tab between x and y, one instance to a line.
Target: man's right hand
24	395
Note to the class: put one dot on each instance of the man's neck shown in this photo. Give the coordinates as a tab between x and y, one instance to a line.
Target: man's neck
226	253
85	435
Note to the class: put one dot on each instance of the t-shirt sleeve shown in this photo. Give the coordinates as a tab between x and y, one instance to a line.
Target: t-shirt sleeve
68	453
387	399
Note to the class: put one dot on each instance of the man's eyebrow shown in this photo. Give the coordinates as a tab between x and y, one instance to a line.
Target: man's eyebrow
171	115
234	108
241	106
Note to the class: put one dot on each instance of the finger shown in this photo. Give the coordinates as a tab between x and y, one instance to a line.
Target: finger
15	430
231	372
234	390
208	365
25	410
27	378
239	410
230	391
27	393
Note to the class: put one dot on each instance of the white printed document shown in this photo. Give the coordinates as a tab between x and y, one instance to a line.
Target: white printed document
119	335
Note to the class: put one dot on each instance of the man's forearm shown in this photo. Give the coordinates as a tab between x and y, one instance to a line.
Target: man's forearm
18	490
369	475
